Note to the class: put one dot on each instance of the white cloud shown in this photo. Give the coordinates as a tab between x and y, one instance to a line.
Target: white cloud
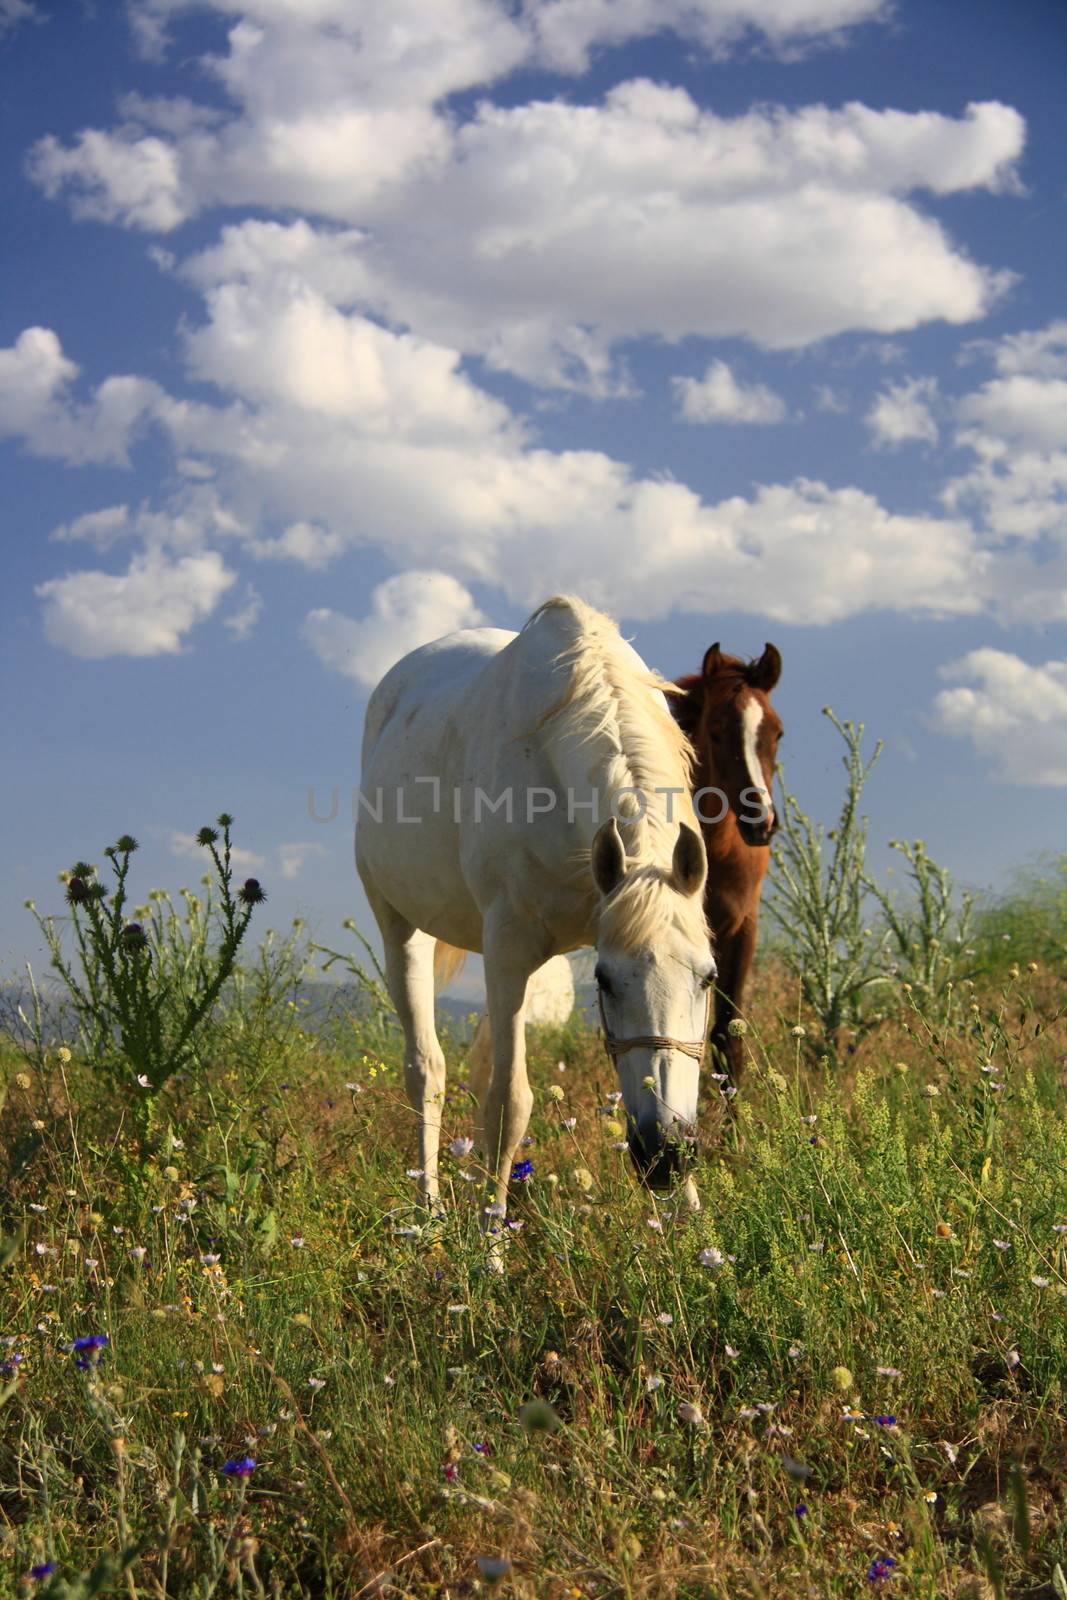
33	372
1014	715
718	397
1015	427
115	177
486	233
1041	352
12	12
568	30
828	399
37	407
1030	409
453	484
282	342
311	546
101	528
144	611
293	858
186	848
407	611
241	623
904	413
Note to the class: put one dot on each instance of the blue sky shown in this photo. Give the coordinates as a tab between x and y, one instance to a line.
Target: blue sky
325	329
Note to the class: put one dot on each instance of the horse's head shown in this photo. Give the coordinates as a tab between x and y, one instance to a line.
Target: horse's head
735	732
654	977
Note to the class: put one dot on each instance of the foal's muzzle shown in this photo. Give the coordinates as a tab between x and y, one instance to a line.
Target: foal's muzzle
758	833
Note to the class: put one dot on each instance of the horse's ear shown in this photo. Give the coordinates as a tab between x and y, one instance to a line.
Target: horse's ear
713	660
764	673
689	867
608	857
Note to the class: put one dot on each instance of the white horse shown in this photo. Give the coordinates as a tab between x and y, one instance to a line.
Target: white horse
525	795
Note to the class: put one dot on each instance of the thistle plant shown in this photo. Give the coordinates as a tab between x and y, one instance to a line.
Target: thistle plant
928	932
821	898
377	1019
140	988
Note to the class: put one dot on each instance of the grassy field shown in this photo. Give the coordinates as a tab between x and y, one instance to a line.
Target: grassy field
845	1375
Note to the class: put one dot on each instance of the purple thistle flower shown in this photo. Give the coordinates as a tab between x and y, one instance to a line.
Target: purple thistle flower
44	1570
239	1467
880	1569
521	1171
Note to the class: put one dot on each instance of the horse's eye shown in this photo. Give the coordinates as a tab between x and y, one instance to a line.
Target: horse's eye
603	982
707	979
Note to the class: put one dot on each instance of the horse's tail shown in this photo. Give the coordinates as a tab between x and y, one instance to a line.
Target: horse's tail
447	960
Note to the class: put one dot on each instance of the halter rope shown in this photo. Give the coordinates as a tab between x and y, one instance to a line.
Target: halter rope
653	1041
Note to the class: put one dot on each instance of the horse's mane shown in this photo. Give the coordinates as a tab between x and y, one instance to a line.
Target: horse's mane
613	700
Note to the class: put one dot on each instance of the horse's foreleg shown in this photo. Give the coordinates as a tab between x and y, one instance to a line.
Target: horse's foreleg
508	1100
409	974
480	1073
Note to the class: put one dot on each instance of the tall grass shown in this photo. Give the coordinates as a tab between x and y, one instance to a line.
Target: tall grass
238	1359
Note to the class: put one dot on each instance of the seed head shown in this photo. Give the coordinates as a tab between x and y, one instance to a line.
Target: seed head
207	836
252	892
126	844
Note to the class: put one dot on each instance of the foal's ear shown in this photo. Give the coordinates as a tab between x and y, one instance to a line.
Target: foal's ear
608	857
689	867
713	660
764	673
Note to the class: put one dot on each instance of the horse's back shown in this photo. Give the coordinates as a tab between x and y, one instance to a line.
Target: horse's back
440	671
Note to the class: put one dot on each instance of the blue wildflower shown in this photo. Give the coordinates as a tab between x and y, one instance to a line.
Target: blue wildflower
89	1349
800	1509
884	1420
9	1367
880	1569
44	1570
521	1171
239	1467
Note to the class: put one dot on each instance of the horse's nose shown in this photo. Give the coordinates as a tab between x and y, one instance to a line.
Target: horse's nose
655	1157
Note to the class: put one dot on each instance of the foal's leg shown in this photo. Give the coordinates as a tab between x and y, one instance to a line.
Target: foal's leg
409	974
735	952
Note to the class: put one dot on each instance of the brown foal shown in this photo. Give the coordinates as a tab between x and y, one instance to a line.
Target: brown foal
734	730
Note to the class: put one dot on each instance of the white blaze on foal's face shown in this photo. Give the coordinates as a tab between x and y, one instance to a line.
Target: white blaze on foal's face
654	971
757	795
